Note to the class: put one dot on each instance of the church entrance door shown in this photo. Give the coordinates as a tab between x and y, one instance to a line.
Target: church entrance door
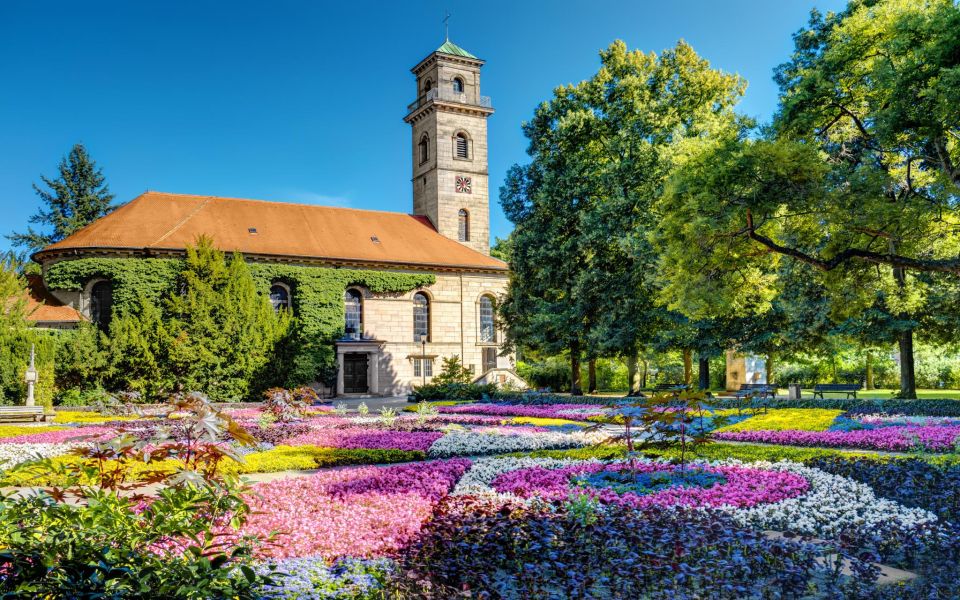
355	373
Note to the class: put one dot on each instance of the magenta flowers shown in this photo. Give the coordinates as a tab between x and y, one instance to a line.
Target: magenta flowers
896	438
63	435
743	486
360	512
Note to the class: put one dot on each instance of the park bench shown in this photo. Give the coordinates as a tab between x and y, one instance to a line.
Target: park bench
760	390
21	413
850	389
670	387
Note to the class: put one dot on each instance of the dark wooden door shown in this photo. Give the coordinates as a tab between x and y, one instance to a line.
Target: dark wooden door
355	373
489	359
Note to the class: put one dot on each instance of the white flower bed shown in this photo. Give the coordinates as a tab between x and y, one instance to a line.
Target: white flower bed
832	503
14	454
470	443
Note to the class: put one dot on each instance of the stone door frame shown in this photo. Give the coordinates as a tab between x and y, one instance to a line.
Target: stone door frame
373	349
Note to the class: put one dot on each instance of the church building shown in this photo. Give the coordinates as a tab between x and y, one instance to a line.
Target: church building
391	342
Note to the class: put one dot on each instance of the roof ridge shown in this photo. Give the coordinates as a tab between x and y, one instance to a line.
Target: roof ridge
181	222
285	202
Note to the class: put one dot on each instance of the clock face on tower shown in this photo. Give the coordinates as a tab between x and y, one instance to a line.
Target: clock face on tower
463	185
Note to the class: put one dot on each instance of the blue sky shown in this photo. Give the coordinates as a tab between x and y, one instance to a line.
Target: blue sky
303	101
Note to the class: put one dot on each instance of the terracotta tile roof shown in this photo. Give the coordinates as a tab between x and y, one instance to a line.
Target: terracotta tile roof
43	307
161	221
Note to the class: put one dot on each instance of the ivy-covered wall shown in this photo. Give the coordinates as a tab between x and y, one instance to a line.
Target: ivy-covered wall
317	294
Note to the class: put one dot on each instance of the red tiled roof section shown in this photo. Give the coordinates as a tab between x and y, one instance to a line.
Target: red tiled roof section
161	221
43	307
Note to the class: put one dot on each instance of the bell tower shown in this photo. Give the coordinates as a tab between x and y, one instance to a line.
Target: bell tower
448	120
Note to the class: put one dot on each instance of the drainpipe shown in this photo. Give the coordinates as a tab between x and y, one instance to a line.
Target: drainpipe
463	347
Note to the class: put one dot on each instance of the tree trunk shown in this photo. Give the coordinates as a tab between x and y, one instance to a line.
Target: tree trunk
633	387
703	370
592	376
869	381
646	371
575	388
770	378
687	366
908	380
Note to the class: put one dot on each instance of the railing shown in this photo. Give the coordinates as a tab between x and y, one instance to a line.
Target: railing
446	95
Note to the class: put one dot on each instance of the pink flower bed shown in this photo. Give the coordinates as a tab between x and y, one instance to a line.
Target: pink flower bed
546	411
744	486
361	512
372	439
62	435
896	438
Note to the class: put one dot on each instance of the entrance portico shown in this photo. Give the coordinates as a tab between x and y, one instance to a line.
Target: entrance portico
358	372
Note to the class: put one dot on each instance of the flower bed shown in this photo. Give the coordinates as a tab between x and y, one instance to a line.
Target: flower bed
62	435
469	443
780	419
14	454
366	438
359	512
896	438
546	411
665	485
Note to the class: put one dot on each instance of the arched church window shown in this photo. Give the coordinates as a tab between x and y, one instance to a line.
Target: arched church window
101	304
353	314
279	297
488	330
424	148
427	86
461	146
457	85
421	317
463	225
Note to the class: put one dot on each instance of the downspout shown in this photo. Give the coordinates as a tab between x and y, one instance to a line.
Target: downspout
463	347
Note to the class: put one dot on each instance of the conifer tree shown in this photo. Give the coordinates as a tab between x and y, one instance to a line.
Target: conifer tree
77	197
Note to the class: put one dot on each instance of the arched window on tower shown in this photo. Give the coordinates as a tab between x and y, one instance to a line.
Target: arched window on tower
424	147
353	314
427	86
488	329
457	85
463	225
279	297
421	317
101	304
461	146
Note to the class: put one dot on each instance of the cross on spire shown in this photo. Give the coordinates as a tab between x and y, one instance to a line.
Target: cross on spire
446	26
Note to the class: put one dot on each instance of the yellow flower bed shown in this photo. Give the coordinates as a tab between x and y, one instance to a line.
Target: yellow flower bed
83	416
780	419
542	421
15	430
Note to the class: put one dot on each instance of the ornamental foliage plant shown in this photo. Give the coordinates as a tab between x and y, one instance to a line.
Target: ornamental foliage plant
113	540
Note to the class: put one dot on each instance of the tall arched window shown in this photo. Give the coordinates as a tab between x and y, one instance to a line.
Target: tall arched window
424	148
279	297
488	329
428	86
353	311
421	317
457	85
101	304
463	225
461	146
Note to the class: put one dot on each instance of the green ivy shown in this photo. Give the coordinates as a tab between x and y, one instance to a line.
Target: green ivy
317	294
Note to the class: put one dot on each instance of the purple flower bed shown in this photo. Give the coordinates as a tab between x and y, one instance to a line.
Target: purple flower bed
546	411
372	439
895	438
743	487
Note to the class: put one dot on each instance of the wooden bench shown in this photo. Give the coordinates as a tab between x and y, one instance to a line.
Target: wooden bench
760	390
850	389
22	413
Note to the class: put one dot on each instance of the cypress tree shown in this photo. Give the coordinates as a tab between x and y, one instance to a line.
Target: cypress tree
77	197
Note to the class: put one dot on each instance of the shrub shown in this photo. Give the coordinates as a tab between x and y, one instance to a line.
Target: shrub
453	391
